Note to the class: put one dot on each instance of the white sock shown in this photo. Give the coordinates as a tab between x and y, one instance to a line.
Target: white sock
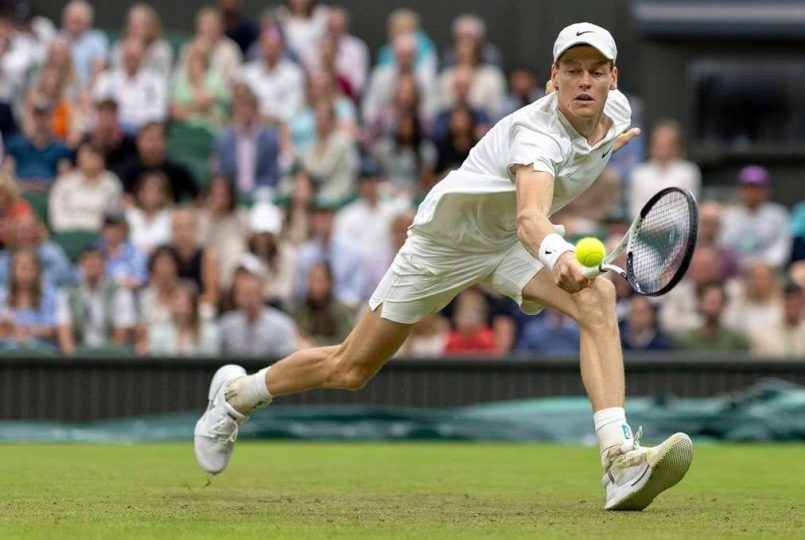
249	393
612	430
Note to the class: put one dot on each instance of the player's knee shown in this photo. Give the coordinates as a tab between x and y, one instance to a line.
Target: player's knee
596	303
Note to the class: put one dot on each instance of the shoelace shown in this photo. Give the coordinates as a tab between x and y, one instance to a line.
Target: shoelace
221	430
632	457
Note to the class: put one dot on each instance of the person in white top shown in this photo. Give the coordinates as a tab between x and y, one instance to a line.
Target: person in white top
665	167
352	56
488	222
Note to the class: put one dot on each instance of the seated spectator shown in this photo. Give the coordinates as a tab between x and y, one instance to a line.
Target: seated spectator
786	338
712	335
80	198
327	64
405	102
798	232
321	319
141	94
277	259
757	301
143	24
351	52
710	213
427	339
248	152
32	31
222	227
639	332
461	80
498	315
199	96
471	335
197	262
550	333
15	62
225	56
29	233
343	255
756	228
125	264
68	114
89	47
149	217
238	26
39	157
12	207
302	125
471	28
303	22
665	167
118	146
277	82
95	312
485	84
187	333
407	156
156	298
152	156
332	160
255	329
461	137
28	305
296	219
524	89
60	59
403	22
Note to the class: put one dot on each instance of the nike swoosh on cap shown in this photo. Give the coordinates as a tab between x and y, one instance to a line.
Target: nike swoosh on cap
585	32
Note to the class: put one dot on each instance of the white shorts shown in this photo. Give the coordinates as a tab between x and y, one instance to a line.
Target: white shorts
426	275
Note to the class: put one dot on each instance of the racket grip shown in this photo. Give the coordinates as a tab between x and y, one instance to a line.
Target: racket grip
592	271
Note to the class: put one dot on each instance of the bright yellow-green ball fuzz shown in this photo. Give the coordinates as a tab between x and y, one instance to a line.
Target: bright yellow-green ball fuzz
590	251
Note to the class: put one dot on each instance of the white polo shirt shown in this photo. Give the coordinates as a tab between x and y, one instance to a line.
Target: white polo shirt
140	99
474	207
280	91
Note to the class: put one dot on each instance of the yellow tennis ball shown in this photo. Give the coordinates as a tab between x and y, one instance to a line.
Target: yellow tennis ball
590	251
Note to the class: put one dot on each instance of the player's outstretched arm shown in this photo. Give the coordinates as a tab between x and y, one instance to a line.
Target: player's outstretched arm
536	232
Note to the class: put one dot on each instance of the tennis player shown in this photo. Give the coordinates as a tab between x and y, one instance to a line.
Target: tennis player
489	222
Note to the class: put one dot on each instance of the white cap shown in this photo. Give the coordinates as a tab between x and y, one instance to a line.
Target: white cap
265	218
585	34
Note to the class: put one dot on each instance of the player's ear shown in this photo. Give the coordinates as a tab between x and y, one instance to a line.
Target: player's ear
614	84
552	83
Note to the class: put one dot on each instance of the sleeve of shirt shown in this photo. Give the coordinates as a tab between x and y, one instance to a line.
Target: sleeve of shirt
124	315
530	147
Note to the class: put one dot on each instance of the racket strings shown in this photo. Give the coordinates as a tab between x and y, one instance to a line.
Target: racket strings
658	251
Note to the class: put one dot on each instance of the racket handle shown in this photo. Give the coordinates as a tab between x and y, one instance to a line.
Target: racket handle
594	271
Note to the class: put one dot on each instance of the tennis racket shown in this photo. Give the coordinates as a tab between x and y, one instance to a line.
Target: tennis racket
658	244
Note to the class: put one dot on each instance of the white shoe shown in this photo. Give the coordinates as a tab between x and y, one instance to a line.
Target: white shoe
634	478
217	429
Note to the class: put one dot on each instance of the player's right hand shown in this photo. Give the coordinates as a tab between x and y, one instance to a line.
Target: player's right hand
568	273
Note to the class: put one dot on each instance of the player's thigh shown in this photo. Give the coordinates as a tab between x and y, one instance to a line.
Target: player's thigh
372	342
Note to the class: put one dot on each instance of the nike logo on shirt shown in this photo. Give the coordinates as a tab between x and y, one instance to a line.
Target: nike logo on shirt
607	152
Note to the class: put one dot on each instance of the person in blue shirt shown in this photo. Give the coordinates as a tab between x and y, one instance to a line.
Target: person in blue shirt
550	333
89	48
639	330
125	264
28	232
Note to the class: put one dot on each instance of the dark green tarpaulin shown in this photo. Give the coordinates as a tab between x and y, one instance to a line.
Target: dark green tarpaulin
769	411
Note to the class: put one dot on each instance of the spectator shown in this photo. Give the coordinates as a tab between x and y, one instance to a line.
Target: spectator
427	339
757	301
402	22
327	63
461	137
60	59
255	329
710	213
248	151
276	257
321	319
149	217
471	335
639	332
238	26
712	335
497	314
68	116
95	312
125	264
407	156
118	146
187	333
406	102
38	157
199	95
143	24
17	58
152	157
469	28
140	93
88	47
303	22
461	78
756	228
27	232
486	84
352	54
343	256
80	198
551	333
223	227
28	304
785	338
197	263
798	232
156	298
32	31
297	217
12	207
277	82
665	167
332	159
524	89
225	57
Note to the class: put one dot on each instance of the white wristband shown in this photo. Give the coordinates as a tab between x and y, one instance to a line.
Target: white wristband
551	249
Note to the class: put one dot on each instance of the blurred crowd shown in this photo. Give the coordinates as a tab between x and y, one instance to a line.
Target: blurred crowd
241	190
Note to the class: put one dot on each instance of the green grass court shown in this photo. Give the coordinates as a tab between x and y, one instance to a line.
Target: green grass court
417	490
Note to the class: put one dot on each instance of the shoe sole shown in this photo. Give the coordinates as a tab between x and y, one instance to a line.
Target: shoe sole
666	472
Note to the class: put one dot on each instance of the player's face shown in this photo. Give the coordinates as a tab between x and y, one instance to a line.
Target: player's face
583	79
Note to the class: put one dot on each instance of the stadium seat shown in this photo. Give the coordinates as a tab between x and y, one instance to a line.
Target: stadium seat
192	146
74	241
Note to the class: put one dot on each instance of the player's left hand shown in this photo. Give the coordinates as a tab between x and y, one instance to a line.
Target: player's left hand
624	138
